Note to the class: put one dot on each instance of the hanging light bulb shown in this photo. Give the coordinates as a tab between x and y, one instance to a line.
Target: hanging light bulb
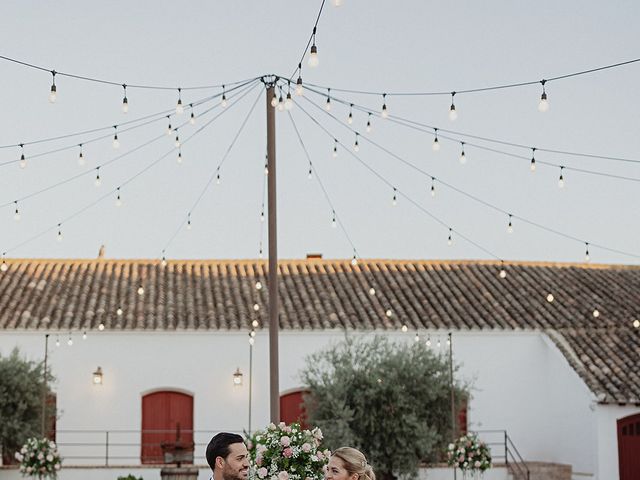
334	223
450	239
179	107
260	252
101	327
218	176
636	323
125	101
389	313
299	87
354	260
59	236
314	61
503	272
116	142
288	103
369	123
356	145
281	103
452	110
335	148
543	105
179	159
394	201
350	117
510	226
385	112
596	313
561	178
189	221
463	157
310	174
372	291
177	141
266	168
3	266
223	101
53	93
336	3
428	342
118	198
57	341
435	146
169	130
70	341
274	99
119	312
81	159
192	117
163	262
256	307
327	104
586	252
262	215
84	335
258	287
433	187
140	290
404	328
438	344
532	165
98	180
23	159
550	298
16	214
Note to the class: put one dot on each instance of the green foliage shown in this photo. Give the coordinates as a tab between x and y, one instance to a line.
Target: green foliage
21	388
390	400
130	477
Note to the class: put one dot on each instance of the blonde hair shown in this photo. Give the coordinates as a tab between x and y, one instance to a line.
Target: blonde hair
355	462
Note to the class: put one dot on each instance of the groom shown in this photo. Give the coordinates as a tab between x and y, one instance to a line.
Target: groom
228	457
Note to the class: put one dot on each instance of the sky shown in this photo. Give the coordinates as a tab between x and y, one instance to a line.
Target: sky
409	46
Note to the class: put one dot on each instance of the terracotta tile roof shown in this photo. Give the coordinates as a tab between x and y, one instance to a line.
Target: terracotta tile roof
325	294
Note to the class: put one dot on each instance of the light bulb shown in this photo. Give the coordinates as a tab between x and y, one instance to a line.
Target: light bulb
252	340
385	112
84	335
192	118
394	200
119	312
140	290
310	174
218	178
596	313
636	323
532	165
262	216
4	267
116	142
369	128
23	161
125	105
433	187
81	159
118	200
16	215
274	100
163	262
510	226
327	104
372	291
452	113
334	223
389	313
256	307
586	253
354	261
356	145
177	142
416	338
280	103
450	238
258	285
70	341
254	323
435	146
503	273
336	3
350	117
179	107
550	298
288	103
561	179
101	327
53	93
404	328
169	130
189	223
223	102
543	105
59	236
179	159
57	342
98	180
335	149
428	342
299	87
463	157
438	344
314	61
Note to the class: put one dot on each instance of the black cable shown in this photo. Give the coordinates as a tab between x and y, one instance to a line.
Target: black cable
311	37
480	89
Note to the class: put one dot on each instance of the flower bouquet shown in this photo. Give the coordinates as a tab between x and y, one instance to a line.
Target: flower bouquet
287	452
470	455
39	457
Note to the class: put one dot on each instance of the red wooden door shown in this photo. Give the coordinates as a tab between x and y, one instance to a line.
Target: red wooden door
291	408
629	447
162	412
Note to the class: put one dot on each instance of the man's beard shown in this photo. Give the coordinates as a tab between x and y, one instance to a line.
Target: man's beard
229	474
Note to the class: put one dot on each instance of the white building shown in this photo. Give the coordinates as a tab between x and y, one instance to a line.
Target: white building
559	375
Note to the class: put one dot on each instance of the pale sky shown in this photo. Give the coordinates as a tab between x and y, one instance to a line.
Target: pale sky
363	45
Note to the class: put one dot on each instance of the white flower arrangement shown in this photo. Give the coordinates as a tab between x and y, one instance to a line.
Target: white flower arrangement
39	457
468	453
287	452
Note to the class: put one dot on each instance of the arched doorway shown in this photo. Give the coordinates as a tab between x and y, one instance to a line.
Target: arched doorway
292	407
629	447
163	413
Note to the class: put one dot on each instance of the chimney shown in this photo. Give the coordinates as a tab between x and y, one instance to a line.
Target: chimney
314	256
101	252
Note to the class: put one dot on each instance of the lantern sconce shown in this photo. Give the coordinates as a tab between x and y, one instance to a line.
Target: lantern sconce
97	376
237	378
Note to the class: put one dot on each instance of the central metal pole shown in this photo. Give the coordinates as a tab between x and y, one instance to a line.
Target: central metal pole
274	325
43	430
250	379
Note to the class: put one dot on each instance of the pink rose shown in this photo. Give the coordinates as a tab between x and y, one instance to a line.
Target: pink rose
477	464
261	448
258	460
282	425
262	472
283	476
306	448
287	452
285	441
320	456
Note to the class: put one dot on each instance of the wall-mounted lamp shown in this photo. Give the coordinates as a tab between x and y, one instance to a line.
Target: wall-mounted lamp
97	376
237	378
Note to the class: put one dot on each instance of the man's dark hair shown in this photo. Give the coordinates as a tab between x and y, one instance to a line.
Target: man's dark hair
219	446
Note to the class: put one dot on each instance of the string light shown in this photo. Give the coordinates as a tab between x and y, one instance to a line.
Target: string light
116	142
252	340
98	180
372	291
394	201
334	223
336	3
23	159
179	159
288	103
169	129
369	128
310	174
435	146
218	176
596	313
354	260
16	215
463	157
438	344
57	341
266	168
350	117
189	221
450	238
327	104
101	327
281	102
543	105
503	272
389	313
179	107
53	93
3	266
314	61
81	159
510	226
70	341
223	101
254	323
256	307
118	198
84	335
299	87
125	101
163	262
119	312
636	323
428	342
140	290
262	216
258	285
550	298
433	187
335	148
449	340
177	141
192	117
417	337
385	112
561	178
586	252
274	99
452	110
59	236
260	253
356	145
533	160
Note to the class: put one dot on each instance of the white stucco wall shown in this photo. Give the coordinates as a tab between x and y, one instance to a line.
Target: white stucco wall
521	383
607	416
